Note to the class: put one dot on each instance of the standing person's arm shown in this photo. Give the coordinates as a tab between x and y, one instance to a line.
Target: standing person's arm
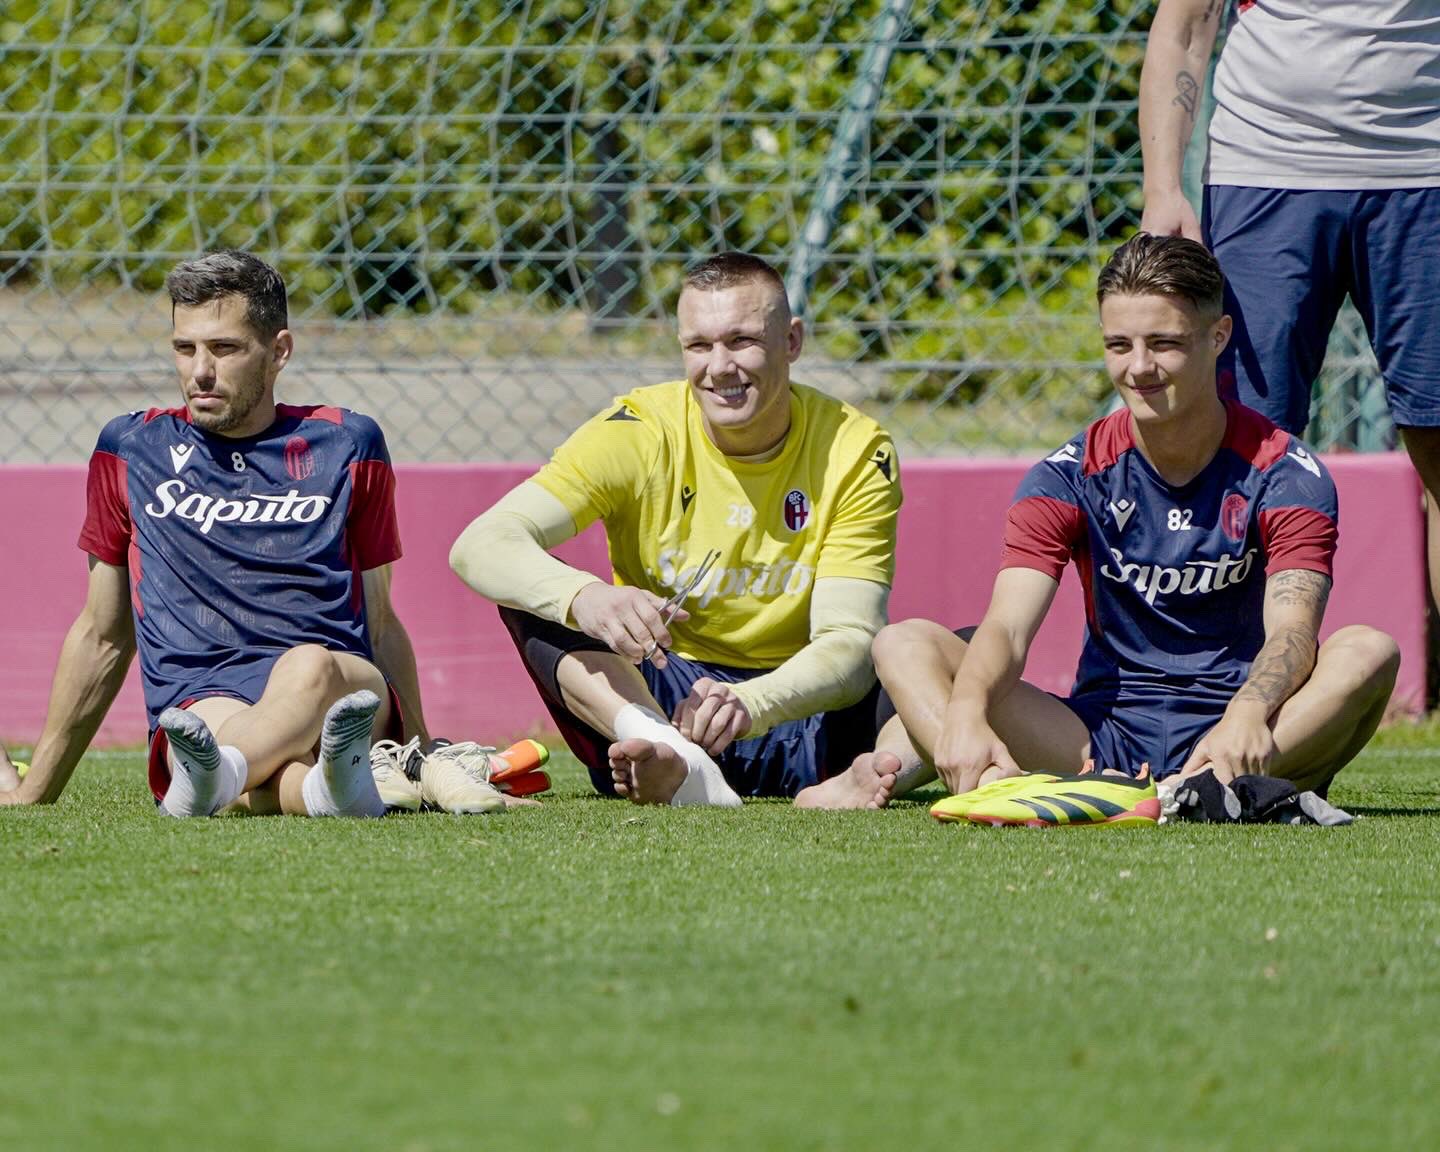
91	668
968	745
394	654
1172	82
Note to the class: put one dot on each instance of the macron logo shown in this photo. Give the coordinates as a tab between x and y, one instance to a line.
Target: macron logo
1122	510
1305	460
1066	455
180	456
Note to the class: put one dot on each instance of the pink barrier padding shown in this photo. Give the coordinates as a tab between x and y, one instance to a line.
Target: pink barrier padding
474	686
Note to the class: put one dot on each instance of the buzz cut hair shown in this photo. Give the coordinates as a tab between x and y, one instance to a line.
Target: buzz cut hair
231	272
727	269
1147	265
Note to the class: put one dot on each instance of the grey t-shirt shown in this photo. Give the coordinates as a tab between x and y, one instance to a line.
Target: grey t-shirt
1329	94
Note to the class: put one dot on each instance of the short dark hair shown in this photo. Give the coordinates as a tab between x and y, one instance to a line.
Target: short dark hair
230	272
726	269
1147	265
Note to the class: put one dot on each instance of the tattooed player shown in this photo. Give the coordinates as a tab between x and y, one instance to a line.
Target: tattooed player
1203	536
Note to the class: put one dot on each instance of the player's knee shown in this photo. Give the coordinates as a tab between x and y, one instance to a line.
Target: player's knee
1372	657
893	649
307	670
891	641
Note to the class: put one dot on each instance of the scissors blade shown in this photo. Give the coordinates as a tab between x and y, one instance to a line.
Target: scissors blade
677	598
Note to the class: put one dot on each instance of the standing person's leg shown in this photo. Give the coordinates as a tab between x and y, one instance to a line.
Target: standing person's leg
1397	266
1287	270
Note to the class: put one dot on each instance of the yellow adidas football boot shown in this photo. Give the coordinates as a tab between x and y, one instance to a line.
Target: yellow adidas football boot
1045	801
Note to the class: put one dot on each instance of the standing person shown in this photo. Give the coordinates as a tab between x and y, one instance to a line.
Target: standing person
243	548
764	512
1203	536
1322	179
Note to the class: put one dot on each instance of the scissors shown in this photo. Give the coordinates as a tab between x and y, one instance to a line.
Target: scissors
672	605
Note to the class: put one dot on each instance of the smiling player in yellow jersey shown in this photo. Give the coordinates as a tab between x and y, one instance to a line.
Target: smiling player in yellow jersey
761	684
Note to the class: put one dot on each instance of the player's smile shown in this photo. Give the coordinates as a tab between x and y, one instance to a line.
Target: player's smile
1159	353
738	343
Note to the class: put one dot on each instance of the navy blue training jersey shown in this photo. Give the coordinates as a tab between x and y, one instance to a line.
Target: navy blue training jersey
1174	577
240	549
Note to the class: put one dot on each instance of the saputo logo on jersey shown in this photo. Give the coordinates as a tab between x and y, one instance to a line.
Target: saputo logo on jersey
784	577
207	511
1195	579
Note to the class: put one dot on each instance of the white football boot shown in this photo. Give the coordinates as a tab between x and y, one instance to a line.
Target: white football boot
456	778
387	764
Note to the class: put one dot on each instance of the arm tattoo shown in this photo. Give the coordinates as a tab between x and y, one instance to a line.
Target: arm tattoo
1187	94
1280	668
1299	588
1288	656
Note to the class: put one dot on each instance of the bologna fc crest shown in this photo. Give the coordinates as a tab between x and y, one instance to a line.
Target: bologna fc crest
797	509
299	460
1234	516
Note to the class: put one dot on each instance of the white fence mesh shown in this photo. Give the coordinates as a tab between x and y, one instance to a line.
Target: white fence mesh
483	208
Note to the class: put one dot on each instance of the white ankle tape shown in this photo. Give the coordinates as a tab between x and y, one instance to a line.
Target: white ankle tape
704	783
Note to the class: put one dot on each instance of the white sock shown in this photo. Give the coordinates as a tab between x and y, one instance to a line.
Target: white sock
704	783
340	784
204	776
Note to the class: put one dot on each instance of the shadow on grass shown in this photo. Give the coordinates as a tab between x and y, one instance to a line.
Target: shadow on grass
1368	810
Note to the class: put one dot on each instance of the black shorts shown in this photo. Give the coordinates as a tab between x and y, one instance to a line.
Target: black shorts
789	757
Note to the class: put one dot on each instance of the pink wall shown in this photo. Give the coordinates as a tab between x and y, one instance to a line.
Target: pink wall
473	684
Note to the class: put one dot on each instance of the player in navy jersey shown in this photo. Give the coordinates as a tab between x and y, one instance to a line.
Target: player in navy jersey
243	548
1203	536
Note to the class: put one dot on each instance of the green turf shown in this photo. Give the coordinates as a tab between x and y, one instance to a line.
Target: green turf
588	975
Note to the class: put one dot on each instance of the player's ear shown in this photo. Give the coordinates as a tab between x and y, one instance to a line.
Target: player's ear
280	350
794	339
1220	333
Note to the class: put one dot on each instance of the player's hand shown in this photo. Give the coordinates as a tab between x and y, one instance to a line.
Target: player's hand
966	753
1170	214
519	801
712	715
626	620
1241	744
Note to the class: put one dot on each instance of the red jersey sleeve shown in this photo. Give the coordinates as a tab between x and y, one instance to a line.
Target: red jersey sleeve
1041	532
106	534
1298	537
372	527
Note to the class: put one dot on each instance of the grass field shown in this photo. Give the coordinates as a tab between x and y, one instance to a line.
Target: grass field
588	975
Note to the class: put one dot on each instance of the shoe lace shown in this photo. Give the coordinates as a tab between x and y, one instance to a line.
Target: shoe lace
390	756
471	758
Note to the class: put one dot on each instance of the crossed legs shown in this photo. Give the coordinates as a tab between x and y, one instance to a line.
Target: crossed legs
1317	731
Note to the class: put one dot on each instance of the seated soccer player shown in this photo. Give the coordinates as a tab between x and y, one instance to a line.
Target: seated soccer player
1203	536
764	511
243	547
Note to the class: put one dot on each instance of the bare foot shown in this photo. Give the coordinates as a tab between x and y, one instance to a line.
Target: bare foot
646	773
9	775
867	783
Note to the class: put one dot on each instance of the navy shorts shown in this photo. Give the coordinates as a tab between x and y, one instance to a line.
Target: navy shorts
1291	256
1124	737
789	757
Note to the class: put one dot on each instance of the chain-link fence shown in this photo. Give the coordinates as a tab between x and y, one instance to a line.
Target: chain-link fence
483	208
